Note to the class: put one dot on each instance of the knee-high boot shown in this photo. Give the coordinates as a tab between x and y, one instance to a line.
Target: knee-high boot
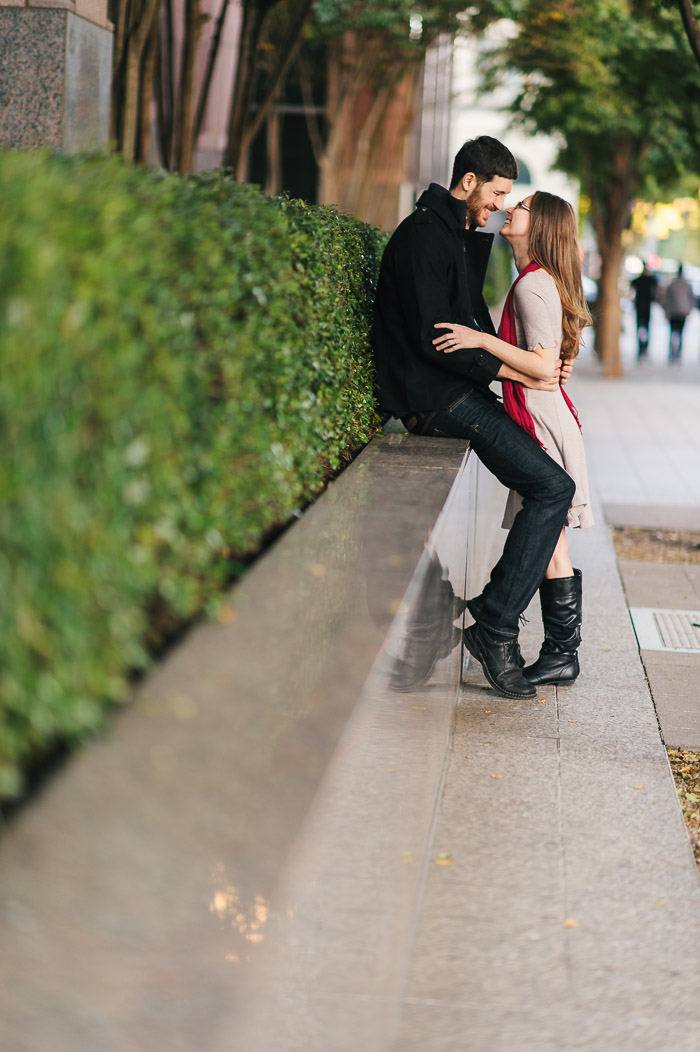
560	600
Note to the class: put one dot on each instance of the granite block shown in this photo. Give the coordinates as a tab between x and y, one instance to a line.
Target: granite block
680	733
491	945
443	1026
58	5
87	86
32	72
652	516
94	11
667	586
55	77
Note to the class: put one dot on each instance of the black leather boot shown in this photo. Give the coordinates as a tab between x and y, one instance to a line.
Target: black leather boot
475	607
499	662
560	600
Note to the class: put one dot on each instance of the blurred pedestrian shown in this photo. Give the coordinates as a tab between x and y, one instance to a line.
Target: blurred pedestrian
678	303
644	294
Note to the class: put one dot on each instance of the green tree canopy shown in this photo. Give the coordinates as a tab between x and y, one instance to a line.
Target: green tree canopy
615	82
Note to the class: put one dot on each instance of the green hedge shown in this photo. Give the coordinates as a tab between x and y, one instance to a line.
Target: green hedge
183	362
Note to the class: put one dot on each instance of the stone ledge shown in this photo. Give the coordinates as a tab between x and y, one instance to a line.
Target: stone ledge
148	866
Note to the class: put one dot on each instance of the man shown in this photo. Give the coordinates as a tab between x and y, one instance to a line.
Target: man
644	293
433	271
678	303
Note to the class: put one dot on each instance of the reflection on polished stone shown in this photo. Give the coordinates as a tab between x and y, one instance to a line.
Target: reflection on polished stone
140	888
430	633
331	977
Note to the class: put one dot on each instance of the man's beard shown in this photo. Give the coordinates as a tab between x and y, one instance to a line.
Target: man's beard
475	206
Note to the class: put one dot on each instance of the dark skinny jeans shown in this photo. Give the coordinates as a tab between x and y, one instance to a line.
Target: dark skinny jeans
519	463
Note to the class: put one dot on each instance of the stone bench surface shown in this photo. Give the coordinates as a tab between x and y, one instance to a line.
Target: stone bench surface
137	888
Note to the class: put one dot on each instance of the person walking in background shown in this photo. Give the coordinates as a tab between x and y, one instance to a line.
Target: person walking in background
644	293
678	303
433	269
543	318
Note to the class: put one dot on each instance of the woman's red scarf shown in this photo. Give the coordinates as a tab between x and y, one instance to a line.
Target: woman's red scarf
513	392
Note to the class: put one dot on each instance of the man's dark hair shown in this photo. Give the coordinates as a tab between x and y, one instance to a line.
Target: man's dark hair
486	158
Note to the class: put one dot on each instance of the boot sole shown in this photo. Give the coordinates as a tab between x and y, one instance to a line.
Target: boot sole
492	681
552	682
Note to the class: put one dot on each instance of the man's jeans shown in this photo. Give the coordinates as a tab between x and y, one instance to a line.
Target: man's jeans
521	464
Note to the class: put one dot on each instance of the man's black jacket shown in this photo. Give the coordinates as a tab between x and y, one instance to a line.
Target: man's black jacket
432	270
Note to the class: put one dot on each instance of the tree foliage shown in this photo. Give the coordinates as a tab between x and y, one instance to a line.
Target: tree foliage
615	83
185	361
375	52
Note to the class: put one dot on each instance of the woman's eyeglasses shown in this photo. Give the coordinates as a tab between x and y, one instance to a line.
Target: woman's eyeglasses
526	208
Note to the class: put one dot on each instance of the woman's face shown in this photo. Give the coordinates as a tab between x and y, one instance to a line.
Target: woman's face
517	222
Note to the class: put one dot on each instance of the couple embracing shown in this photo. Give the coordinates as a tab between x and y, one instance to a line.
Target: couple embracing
436	355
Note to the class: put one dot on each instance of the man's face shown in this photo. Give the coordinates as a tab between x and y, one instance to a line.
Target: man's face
486	198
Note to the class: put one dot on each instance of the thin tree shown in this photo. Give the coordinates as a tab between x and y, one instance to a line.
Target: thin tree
690	24
134	22
244	122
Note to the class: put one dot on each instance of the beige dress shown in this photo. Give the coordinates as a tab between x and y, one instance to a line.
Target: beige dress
538	320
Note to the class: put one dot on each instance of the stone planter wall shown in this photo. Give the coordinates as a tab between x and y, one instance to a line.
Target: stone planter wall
55	73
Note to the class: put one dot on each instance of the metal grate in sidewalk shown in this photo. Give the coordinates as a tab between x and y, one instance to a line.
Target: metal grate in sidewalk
676	630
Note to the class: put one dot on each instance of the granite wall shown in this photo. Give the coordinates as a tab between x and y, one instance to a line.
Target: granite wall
55	72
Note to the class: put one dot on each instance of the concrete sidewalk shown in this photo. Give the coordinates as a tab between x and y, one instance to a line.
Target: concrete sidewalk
569	915
643	445
558	903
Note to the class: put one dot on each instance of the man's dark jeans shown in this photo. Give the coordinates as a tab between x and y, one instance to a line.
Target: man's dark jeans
520	464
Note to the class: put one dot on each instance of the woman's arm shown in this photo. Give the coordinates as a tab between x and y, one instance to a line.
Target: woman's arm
549	383
538	363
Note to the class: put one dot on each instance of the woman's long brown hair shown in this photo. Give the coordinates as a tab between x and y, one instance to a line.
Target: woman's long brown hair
554	247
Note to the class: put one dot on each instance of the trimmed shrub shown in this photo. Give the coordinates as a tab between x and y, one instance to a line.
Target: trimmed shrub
183	362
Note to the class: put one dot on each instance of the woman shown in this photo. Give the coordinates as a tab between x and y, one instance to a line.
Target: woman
544	315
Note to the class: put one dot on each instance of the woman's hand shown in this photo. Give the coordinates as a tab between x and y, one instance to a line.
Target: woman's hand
566	369
458	338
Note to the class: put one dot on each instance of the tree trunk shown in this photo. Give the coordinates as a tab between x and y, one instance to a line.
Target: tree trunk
148	75
385	170
690	24
608	314
273	181
251	28
312	124
276	78
123	12
611	203
209	68
190	44
343	92
362	151
135	45
363	165
165	87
